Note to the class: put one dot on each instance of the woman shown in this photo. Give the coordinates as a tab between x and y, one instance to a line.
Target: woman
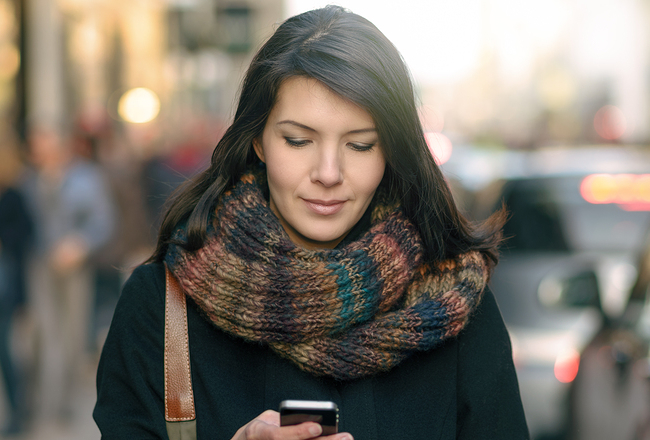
324	259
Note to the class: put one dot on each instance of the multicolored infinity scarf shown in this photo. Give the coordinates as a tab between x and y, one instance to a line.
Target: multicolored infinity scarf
345	313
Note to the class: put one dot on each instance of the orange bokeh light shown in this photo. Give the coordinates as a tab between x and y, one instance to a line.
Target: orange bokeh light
627	190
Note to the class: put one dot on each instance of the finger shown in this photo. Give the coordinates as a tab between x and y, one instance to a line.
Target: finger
300	431
269	416
339	436
266	426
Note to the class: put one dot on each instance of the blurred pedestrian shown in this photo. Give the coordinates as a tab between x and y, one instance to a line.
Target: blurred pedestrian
15	235
131	241
74	218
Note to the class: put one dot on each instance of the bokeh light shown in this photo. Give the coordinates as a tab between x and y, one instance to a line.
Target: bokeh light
630	191
139	105
440	146
610	122
9	61
556	88
567	365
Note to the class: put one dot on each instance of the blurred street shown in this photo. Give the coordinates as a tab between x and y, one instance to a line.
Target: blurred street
107	106
81	425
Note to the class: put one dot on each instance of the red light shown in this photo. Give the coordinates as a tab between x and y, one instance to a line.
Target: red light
636	207
566	366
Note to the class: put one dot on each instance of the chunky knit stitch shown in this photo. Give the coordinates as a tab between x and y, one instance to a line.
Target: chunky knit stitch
345	313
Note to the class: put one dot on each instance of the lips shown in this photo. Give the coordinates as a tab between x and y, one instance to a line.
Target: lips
324	207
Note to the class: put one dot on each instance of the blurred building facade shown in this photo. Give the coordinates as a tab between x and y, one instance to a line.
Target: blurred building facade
69	63
541	72
562	72
11	78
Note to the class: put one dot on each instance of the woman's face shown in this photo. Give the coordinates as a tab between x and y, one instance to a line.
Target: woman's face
323	160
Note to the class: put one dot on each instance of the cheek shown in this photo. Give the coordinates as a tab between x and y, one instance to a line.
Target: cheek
282	174
370	175
278	178
276	164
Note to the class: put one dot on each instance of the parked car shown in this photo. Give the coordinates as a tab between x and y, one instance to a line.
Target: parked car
576	226
635	324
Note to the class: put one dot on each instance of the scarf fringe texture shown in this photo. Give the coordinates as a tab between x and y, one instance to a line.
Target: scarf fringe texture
344	313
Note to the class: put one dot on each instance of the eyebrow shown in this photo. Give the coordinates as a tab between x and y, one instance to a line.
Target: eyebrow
306	127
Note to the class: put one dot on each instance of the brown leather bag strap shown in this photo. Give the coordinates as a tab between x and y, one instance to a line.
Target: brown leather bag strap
179	397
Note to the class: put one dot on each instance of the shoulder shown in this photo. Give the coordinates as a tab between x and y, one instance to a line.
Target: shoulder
9	200
486	322
138	320
143	294
9	195
484	350
150	276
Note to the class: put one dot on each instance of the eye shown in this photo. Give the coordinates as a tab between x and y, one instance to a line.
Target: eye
296	142
361	147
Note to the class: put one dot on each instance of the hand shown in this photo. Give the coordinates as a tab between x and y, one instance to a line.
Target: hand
266	426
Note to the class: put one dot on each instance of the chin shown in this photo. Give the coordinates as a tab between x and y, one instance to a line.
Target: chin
321	238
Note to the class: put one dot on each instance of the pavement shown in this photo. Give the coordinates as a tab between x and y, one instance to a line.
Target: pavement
79	426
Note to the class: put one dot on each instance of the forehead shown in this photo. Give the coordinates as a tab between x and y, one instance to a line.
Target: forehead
304	98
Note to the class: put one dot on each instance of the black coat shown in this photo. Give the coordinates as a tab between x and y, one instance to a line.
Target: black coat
466	389
16	231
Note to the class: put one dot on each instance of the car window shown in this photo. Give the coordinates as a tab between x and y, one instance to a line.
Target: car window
535	221
549	214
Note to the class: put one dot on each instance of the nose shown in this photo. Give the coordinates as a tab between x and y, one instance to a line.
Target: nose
328	167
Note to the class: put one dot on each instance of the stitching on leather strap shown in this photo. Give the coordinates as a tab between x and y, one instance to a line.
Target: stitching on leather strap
179	396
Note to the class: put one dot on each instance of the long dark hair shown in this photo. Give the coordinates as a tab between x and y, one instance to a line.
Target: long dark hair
355	60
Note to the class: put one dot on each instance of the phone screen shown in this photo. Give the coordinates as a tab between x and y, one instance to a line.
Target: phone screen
293	412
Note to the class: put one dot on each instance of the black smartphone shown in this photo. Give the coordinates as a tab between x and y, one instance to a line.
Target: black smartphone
293	412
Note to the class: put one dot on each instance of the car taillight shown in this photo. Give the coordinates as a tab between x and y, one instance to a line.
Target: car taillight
566	366
630	191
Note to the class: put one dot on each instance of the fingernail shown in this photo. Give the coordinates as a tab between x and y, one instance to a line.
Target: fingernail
315	429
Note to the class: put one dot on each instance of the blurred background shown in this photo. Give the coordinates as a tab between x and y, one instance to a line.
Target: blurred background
107	105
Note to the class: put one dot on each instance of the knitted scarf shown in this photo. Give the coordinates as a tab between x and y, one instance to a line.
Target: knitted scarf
345	313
